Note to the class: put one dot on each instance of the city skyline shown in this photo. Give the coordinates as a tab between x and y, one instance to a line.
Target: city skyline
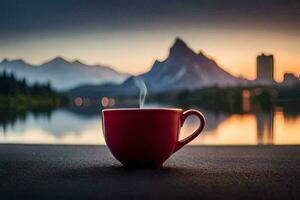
130	36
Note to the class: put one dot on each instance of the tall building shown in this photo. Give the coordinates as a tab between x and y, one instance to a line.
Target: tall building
265	68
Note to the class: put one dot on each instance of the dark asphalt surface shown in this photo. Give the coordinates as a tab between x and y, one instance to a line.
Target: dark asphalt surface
203	172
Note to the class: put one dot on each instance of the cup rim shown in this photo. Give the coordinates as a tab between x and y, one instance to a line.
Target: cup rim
142	109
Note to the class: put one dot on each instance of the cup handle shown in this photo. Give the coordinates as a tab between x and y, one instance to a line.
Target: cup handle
187	113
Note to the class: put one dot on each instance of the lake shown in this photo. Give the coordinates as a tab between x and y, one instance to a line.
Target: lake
64	126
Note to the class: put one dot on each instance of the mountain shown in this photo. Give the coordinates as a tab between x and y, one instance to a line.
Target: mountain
63	74
185	69
182	69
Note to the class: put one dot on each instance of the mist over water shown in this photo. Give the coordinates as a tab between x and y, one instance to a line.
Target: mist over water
143	91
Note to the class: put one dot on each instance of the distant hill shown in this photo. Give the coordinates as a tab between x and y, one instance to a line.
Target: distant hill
63	74
95	91
182	69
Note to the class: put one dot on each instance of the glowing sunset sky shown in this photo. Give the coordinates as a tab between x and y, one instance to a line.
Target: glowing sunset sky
130	35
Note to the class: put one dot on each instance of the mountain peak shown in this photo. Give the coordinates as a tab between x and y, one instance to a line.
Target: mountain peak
77	62
56	61
15	61
201	53
180	48
5	60
179	43
59	59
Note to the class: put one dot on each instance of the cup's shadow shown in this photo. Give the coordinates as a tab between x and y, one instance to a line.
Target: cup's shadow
119	170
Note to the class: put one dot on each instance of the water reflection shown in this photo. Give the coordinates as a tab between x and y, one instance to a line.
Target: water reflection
265	128
63	127
67	126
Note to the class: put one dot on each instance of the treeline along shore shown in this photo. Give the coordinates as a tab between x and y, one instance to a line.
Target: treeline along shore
17	97
231	99
236	99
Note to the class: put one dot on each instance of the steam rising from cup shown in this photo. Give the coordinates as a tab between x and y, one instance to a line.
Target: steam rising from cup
143	90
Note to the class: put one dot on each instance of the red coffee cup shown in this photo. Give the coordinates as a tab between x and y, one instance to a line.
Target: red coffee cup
146	137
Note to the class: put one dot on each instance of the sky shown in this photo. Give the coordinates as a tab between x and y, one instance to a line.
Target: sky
130	35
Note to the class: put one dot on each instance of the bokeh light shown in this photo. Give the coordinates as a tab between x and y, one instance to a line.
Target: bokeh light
105	102
78	101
